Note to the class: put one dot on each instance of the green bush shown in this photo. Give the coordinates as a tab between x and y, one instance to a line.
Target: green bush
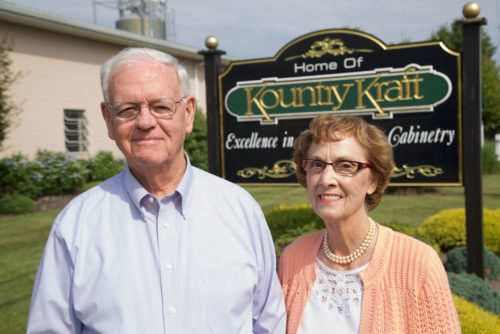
291	235
475	320
18	175
475	290
413	232
49	174
448	229
103	166
457	262
89	185
490	163
196	142
62	174
284	218
16	204
54	173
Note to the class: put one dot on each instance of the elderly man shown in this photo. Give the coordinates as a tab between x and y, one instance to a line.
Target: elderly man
162	247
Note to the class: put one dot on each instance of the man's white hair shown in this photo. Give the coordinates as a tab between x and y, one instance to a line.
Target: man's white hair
130	55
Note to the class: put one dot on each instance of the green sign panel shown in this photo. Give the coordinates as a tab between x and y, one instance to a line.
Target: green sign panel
381	93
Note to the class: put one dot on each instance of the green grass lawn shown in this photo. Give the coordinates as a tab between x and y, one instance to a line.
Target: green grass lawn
23	237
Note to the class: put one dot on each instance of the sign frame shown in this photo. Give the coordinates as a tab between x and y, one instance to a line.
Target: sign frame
383	48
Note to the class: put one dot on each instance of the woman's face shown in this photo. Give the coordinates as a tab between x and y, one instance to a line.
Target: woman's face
337	197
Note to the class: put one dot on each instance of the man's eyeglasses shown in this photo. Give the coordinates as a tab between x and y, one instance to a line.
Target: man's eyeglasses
159	108
342	167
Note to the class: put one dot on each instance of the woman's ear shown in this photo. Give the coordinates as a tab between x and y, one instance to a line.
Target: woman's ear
373	183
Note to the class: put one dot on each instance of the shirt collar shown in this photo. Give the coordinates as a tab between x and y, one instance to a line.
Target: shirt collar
137	192
134	189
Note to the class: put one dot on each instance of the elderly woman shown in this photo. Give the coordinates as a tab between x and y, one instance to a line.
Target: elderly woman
357	276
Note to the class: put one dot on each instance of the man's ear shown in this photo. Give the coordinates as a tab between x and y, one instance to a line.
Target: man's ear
190	111
106	114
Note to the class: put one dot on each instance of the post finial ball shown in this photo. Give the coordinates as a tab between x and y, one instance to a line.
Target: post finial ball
471	10
211	42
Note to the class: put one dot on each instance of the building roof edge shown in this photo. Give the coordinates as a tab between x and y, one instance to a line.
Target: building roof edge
39	19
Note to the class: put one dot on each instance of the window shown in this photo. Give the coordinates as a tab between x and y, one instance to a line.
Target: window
75	131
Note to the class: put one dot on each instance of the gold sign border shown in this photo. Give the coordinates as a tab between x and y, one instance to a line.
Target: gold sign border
383	47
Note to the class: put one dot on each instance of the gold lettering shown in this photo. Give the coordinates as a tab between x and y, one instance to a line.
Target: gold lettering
300	90
365	92
416	80
273	94
379	86
319	88
254	99
416	89
396	88
329	95
341	99
282	98
406	83
372	93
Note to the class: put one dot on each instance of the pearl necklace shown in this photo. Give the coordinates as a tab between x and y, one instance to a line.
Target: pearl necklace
354	255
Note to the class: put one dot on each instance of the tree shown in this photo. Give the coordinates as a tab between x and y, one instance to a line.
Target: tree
491	97
490	73
7	78
196	142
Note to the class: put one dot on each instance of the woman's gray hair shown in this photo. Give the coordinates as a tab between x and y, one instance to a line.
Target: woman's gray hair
130	55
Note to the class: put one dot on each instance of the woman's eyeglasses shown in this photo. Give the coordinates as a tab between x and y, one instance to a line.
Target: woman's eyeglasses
342	167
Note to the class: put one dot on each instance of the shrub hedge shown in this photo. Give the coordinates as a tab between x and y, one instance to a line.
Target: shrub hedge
490	162
457	262
57	173
284	218
448	229
413	232
289	236
17	175
475	320
16	204
475	290
53	173
102	166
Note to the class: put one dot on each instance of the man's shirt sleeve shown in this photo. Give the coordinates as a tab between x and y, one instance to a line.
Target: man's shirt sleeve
269	307
51	308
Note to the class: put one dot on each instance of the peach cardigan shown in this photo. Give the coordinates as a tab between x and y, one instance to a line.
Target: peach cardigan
406	289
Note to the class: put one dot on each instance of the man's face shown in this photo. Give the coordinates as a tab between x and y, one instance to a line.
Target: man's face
148	141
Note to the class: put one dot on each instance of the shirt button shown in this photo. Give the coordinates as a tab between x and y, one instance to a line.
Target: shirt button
169	266
166	225
172	310
151	200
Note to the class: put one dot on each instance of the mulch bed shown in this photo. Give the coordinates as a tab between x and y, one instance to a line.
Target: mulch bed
52	202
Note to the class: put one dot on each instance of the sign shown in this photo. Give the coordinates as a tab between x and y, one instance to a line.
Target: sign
411	91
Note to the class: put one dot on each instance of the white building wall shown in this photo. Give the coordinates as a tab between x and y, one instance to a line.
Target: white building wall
61	71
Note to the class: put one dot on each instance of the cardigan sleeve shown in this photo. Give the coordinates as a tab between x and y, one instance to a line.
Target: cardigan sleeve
437	310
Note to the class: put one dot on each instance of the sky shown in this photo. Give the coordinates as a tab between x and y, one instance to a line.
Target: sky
260	28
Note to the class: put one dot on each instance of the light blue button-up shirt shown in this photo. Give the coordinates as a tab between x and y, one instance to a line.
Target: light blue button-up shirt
117	260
